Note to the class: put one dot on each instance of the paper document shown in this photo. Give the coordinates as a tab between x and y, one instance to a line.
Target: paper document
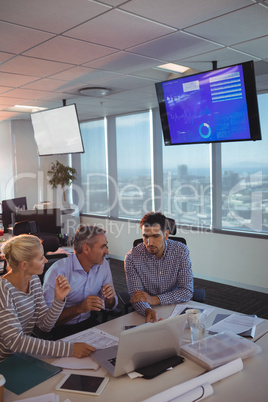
235	323
76	364
92	336
42	398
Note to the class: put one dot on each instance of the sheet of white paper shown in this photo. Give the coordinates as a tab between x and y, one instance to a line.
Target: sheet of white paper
134	374
235	323
42	398
92	336
74	363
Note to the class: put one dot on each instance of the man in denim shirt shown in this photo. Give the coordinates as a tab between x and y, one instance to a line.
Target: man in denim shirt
90	278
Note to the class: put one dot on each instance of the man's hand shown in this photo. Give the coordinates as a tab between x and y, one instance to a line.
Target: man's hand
140	296
62	287
108	293
150	315
82	350
91	303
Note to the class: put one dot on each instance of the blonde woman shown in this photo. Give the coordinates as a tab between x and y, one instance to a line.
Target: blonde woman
22	305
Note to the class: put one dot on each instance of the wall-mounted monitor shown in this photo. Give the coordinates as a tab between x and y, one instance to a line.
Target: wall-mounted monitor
57	131
214	106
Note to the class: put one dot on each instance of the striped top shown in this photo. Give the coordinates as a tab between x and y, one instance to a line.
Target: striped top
19	313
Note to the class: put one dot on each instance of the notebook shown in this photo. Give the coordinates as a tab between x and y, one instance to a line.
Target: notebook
23	372
143	345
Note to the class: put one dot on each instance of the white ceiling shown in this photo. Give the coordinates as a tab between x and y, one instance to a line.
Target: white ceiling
50	49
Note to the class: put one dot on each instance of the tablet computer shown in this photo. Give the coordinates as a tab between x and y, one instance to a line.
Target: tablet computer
83	384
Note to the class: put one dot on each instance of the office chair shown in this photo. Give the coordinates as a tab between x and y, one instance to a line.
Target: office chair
3	266
172	231
50	242
198	294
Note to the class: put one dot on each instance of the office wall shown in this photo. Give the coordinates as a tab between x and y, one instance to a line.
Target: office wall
229	259
6	161
28	175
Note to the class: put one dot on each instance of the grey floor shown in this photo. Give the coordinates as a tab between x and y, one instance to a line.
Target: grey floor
218	295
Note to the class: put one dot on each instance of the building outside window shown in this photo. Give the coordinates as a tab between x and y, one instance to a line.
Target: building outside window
240	188
94	168
245	180
187	188
134	172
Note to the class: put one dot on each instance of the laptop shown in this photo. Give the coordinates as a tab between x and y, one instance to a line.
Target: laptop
143	345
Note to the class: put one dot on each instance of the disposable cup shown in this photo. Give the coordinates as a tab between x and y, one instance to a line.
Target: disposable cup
193	316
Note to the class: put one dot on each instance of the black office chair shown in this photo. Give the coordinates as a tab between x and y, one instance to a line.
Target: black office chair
172	231
198	294
50	242
3	266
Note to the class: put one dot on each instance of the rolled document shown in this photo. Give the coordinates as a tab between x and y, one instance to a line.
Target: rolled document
196	394
212	376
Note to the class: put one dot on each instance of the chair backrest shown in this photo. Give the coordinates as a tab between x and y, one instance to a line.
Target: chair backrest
48	219
3	265
25	227
171	224
50	241
180	239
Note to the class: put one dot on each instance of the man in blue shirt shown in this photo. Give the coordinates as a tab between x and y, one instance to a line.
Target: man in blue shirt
158	271
90	278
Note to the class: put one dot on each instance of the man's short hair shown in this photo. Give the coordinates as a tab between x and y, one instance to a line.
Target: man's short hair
86	234
154	218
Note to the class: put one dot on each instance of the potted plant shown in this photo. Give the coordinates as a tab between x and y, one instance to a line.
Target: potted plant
61	175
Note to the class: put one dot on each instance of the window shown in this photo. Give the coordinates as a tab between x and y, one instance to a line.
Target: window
146	175
187	189
245	180
134	174
94	168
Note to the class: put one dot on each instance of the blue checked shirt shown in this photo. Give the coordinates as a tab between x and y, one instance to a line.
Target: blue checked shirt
169	277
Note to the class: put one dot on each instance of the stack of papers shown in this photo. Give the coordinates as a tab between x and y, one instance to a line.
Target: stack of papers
92	336
238	324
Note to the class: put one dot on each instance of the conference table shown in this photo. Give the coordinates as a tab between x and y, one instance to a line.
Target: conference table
250	384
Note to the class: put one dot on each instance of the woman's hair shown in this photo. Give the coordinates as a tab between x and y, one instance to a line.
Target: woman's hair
21	248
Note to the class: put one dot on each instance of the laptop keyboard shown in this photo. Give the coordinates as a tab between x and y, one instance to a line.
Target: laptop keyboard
112	361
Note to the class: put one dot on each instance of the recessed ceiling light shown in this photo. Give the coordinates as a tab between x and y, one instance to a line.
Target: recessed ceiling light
172	68
26	108
94	91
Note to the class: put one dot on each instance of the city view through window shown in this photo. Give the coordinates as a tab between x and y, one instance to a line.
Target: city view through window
184	188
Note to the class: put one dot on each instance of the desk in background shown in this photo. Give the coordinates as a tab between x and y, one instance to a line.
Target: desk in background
247	385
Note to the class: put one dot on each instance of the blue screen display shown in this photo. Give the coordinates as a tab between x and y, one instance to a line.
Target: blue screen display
206	107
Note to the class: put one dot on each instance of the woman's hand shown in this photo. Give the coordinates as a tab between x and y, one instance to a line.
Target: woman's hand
82	350
62	287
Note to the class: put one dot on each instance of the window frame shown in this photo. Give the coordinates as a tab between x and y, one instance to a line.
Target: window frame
157	175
